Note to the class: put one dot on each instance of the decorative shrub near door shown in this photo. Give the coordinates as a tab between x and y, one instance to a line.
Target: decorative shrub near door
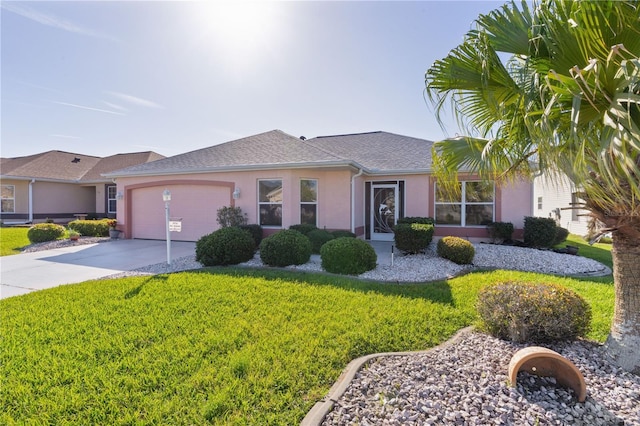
226	246
287	247
349	256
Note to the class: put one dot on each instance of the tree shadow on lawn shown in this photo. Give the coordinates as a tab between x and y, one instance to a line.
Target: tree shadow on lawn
436	291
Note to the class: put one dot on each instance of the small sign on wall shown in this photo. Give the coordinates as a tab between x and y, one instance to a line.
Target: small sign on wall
175	225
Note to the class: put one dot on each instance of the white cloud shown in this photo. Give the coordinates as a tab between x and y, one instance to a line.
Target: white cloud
52	21
87	108
66	136
135	100
115	106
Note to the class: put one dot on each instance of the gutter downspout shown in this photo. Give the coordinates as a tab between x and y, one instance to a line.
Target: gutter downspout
353	200
31	200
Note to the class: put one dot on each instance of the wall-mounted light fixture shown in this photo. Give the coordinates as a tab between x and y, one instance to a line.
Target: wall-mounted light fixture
119	195
236	193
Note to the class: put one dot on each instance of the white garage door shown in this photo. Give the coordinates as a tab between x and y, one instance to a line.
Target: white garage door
196	206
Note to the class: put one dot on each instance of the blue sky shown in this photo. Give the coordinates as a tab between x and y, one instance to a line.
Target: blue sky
102	78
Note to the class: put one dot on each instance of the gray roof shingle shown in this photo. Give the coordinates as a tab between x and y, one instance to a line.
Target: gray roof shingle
70	167
377	152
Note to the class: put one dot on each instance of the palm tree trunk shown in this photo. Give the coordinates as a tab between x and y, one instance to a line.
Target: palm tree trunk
623	343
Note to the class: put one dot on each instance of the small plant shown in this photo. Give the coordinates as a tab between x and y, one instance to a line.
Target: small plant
73	235
421	220
539	232
112	223
226	246
456	249
287	247
43	232
533	312
412	237
349	256
561	235
500	232
231	216
340	233
303	228
318	238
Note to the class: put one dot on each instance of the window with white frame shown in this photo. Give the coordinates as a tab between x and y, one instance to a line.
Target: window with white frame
309	201
539	203
270	202
472	204
111	199
8	199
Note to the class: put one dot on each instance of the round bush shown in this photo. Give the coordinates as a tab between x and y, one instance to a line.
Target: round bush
456	249
533	312
412	237
318	238
539	232
287	247
43	232
226	246
255	231
303	228
349	256
93	228
561	235
340	233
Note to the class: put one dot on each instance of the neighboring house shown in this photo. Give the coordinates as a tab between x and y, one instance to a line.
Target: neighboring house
360	182
59	185
555	198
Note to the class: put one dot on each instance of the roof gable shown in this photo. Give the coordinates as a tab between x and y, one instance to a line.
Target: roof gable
68	166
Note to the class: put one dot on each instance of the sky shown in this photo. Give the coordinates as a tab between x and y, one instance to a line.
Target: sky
101	78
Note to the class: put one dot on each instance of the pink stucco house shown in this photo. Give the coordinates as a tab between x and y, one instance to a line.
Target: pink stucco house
59	185
360	182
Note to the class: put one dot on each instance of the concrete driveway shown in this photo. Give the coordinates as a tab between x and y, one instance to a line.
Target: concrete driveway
27	272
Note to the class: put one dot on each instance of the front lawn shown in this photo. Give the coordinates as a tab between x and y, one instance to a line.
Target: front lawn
224	346
12	240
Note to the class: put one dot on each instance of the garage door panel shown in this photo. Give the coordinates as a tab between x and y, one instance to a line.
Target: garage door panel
196	206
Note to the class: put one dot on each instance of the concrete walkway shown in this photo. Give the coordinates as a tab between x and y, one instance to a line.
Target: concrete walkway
27	272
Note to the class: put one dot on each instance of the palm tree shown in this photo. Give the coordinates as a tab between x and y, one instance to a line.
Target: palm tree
554	88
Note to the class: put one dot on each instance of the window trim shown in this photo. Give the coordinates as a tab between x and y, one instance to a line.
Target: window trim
539	203
463	204
267	203
315	203
13	190
115	199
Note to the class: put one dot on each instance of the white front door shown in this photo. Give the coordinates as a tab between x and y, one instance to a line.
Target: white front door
384	211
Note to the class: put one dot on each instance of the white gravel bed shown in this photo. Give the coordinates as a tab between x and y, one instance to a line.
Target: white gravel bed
466	384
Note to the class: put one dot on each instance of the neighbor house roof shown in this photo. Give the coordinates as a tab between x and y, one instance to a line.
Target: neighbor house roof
69	167
374	152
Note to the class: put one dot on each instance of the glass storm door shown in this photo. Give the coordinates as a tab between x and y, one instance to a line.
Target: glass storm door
384	212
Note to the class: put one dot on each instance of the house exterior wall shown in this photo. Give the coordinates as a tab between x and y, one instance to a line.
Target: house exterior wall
556	195
140	204
51	200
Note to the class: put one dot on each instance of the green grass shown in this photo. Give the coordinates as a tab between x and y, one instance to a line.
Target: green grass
598	251
12	240
223	346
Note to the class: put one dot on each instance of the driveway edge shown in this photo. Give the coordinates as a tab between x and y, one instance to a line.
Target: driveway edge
316	415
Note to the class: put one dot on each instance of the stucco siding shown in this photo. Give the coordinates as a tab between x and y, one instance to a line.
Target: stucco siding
62	198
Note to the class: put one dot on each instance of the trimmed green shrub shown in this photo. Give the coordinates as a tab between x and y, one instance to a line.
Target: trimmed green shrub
500	231
43	232
539	232
318	238
231	216
421	220
91	228
412	237
456	249
561	235
226	246
303	228
348	255
255	231
533	312
287	247
341	233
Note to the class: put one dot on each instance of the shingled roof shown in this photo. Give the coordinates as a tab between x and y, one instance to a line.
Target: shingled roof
70	167
376	152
